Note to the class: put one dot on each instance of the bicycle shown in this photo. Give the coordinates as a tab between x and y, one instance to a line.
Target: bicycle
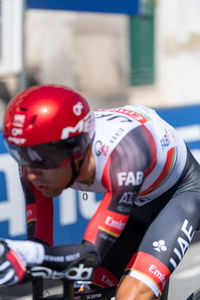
37	275
69	292
97	293
79	271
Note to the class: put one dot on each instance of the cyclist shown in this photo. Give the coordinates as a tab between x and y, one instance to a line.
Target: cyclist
147	175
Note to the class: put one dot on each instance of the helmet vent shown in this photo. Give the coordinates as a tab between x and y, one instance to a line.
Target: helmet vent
33	120
23	109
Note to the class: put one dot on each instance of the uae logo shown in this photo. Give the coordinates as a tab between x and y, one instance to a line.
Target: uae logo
160	246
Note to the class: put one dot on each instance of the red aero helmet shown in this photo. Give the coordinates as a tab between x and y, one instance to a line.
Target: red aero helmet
46	125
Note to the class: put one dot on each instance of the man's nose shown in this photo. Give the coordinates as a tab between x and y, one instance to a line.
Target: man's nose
33	173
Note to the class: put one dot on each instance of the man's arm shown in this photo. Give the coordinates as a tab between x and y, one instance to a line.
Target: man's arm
39	212
16	256
123	176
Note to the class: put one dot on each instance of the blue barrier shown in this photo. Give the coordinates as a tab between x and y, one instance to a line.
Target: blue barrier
111	6
187	120
72	213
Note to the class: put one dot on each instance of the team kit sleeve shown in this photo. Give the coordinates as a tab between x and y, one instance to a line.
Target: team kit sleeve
123	175
39	212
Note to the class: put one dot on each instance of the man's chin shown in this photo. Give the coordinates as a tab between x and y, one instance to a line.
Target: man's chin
50	193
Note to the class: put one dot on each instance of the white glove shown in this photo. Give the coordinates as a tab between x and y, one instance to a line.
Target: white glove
15	256
32	253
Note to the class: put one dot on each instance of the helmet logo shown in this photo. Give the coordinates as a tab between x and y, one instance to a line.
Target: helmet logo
77	108
82	126
17	131
19	120
16	140
18	124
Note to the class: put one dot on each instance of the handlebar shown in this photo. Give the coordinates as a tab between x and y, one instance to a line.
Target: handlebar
79	270
74	273
38	274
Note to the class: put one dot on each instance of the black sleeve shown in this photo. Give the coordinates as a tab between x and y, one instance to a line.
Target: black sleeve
61	257
30	203
39	211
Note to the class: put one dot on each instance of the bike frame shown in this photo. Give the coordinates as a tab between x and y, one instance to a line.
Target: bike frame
69	293
37	275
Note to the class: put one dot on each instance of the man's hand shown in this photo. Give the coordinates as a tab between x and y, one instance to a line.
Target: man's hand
15	256
12	267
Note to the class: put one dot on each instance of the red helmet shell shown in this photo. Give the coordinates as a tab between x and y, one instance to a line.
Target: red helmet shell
47	113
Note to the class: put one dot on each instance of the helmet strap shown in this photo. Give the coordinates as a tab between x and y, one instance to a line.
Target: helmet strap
75	172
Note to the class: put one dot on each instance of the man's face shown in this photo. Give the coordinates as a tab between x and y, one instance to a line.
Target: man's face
50	182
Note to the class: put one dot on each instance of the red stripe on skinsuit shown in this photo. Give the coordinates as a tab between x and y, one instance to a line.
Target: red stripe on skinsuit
163	175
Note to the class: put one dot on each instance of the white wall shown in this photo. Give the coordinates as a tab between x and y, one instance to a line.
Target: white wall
179	50
177	56
86	51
